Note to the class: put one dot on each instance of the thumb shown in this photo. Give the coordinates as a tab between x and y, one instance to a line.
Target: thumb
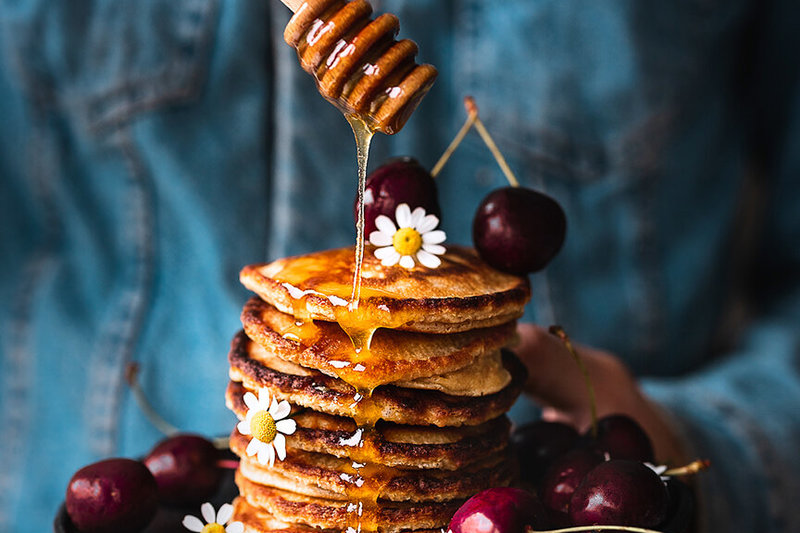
554	379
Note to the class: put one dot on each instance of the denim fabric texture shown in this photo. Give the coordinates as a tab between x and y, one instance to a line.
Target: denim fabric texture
150	149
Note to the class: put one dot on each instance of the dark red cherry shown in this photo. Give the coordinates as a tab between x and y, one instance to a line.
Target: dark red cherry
565	475
620	492
398	181
623	438
499	510
112	496
537	444
185	469
518	230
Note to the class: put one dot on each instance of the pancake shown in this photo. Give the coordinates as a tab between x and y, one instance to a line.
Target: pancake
386	517
389	444
484	375
463	293
325	476
323	393
393	355
257	520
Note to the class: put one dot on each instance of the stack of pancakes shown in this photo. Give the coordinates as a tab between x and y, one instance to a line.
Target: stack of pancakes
400	402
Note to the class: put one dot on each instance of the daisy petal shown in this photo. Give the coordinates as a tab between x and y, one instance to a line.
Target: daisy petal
282	411
243	427
263	454
428	223
383	253
385	225
391	259
252	447
437	249
403	216
207	510
417	215
271	455
273	408
224	514
428	259
407	261
192	523
280	446
250	400
287	426
434	237
235	527
263	399
379	238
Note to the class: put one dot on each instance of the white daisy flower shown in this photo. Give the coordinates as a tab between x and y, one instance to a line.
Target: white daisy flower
414	237
266	421
215	523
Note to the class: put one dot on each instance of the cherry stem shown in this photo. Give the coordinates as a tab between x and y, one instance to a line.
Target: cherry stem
229	464
131	377
501	161
593	528
687	470
474	120
559	332
472	116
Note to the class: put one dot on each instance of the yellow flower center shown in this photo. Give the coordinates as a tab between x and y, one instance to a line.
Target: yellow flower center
262	426
407	241
213	528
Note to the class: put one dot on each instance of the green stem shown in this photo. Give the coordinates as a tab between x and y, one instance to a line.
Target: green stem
559	332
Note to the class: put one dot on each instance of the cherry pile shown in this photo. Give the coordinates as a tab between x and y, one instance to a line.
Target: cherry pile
122	495
580	480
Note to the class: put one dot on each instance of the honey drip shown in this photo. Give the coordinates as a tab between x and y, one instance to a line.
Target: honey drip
365	480
374	81
363	135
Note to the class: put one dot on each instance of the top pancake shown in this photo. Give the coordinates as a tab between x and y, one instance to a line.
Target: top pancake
463	293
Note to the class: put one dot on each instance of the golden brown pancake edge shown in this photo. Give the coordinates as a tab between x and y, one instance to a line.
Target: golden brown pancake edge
463	293
403	406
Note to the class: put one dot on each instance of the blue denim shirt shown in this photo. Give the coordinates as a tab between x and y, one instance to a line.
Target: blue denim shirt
150	149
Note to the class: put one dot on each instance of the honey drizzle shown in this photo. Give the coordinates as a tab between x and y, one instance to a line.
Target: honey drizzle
364	482
363	135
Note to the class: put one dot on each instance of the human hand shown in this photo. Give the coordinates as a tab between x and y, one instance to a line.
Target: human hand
557	384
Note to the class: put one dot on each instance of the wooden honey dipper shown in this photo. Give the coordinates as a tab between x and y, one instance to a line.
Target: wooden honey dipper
358	64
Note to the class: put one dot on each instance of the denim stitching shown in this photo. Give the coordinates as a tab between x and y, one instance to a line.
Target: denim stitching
116	347
180	80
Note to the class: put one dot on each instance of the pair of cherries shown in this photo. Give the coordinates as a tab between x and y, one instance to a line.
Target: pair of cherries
579	480
515	229
122	495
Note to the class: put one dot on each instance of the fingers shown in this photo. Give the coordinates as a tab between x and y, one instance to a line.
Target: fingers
556	382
